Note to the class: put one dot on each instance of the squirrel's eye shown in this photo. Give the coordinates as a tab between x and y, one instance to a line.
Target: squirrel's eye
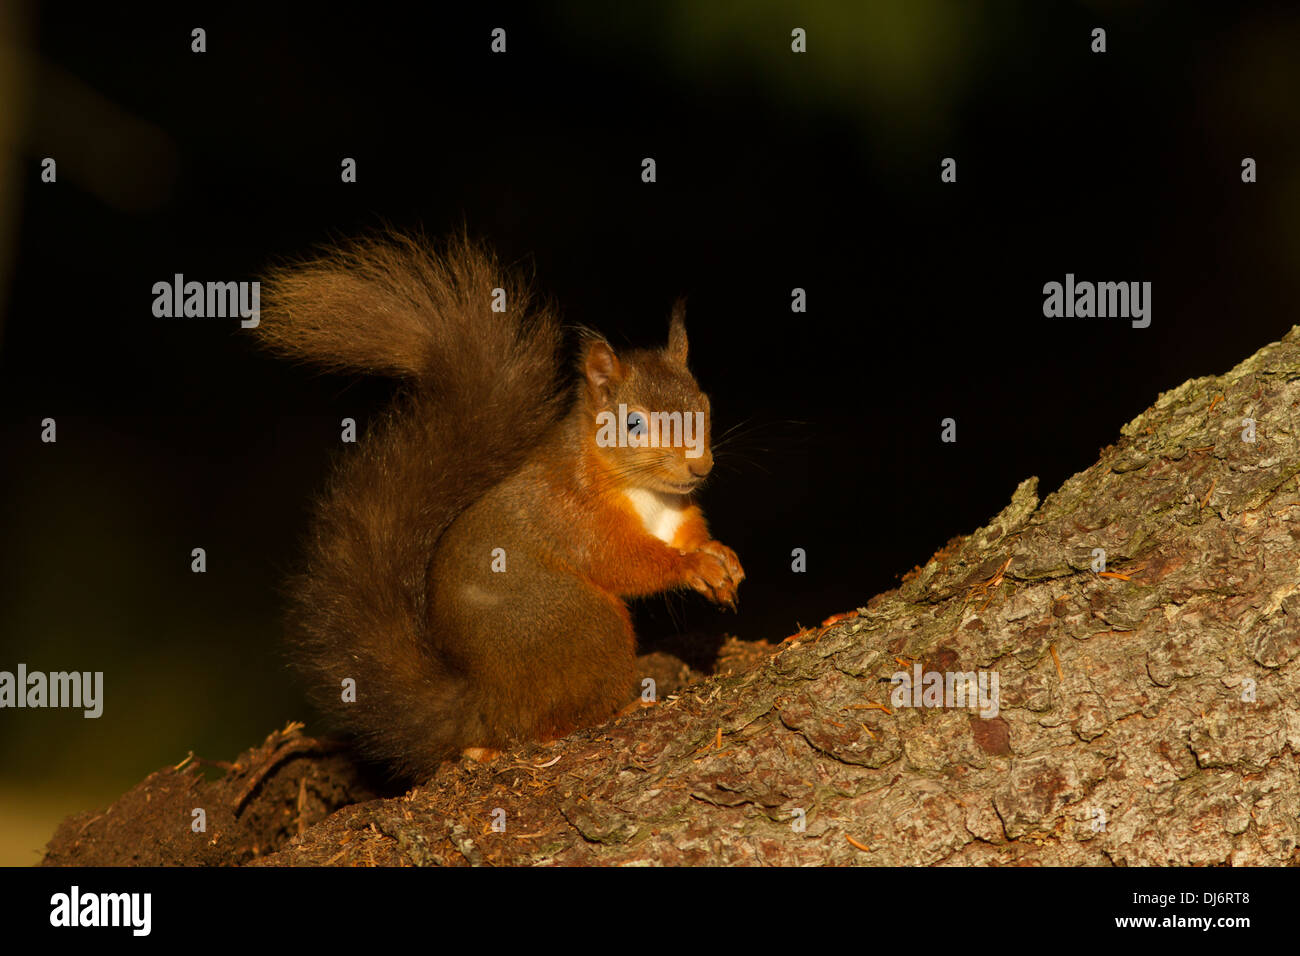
635	421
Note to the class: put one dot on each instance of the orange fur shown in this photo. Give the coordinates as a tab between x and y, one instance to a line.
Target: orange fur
478	460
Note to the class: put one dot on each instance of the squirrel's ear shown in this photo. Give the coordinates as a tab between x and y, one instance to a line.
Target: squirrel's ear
601	367
677	344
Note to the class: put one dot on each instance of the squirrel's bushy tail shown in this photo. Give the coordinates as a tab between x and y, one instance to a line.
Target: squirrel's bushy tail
480	389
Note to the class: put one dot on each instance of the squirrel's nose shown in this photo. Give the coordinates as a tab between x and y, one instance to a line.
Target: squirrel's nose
701	466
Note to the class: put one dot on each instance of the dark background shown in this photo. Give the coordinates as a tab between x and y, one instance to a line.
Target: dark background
775	171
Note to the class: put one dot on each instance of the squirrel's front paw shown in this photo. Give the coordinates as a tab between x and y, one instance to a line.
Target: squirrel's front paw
716	573
727	557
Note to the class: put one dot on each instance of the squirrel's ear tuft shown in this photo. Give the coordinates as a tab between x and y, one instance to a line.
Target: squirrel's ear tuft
677	344
600	366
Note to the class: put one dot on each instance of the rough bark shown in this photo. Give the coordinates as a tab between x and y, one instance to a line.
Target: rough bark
267	796
1125	697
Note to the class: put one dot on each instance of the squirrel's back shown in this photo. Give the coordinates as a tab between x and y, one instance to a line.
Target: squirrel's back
478	388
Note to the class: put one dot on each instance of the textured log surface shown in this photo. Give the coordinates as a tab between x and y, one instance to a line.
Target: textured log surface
1147	715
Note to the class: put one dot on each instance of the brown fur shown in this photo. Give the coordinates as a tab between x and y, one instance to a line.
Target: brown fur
399	591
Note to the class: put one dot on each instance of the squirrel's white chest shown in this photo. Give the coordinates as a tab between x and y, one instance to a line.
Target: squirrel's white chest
660	514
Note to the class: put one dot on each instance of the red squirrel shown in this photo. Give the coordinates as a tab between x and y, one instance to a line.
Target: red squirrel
470	559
